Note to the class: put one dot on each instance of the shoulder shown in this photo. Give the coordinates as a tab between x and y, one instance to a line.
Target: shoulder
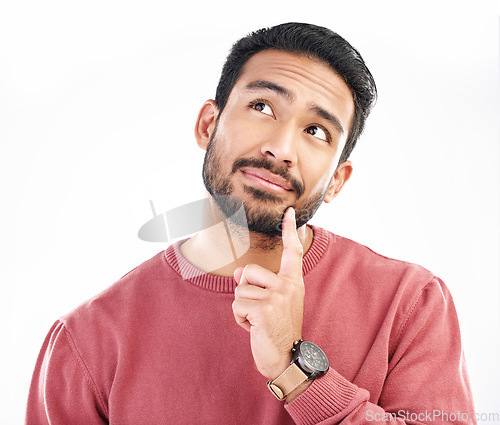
389	288
361	272
360	261
129	293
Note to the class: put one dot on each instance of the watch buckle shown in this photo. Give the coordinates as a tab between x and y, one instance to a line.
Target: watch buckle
275	390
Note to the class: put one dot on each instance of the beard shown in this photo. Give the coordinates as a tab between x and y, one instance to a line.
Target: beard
264	211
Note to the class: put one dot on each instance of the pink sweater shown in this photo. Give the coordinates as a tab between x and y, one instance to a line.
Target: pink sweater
155	348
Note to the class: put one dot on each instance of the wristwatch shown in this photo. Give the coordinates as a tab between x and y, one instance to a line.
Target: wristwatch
308	362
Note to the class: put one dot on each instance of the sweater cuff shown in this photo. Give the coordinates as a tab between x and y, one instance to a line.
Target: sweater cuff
325	398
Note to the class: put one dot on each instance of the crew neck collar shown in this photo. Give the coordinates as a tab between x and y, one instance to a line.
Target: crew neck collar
226	284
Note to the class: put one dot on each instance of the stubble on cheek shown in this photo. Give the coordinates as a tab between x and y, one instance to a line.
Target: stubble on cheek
264	211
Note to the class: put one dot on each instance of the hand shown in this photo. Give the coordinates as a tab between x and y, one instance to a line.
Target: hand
270	306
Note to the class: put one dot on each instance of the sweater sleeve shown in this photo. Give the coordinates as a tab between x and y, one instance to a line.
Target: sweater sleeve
426	379
62	391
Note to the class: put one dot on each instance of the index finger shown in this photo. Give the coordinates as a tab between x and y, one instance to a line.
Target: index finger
291	259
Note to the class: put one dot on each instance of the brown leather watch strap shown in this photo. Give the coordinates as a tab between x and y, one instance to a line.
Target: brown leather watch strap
284	384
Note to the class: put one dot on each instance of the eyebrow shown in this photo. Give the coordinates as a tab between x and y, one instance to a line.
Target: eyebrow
269	85
332	119
283	91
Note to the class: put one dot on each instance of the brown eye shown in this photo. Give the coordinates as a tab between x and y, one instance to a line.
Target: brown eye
263	107
318	132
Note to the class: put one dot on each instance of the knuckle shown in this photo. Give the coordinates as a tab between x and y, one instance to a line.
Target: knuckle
267	308
274	298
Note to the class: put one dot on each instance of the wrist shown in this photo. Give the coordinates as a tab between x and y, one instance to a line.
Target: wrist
308	362
279	368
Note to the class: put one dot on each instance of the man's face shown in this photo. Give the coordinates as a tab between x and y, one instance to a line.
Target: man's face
278	140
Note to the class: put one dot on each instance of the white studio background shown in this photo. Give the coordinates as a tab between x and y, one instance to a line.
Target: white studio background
98	101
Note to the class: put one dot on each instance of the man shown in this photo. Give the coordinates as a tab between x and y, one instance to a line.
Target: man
338	332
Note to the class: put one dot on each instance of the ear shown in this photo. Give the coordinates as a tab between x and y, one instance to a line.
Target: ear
342	174
205	123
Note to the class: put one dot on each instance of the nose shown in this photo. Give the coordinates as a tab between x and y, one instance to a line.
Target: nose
281	145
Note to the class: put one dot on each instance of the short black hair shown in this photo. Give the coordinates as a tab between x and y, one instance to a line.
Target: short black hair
314	42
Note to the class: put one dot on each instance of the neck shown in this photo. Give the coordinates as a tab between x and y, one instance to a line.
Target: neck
221	248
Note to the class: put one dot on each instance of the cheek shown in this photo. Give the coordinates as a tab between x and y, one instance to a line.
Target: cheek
321	183
239	135
317	171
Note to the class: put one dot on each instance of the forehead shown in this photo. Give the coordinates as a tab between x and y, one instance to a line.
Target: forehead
311	81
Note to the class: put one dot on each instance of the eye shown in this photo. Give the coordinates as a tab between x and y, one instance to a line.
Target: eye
261	106
318	132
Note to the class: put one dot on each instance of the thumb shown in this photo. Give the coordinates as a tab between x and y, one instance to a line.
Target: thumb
237	274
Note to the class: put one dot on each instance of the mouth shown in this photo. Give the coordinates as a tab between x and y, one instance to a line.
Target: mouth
266	180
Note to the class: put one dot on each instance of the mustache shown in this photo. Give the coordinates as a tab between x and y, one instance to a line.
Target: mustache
268	165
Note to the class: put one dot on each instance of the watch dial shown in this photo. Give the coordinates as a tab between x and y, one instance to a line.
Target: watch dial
314	356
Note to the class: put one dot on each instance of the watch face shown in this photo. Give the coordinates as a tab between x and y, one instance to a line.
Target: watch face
313	357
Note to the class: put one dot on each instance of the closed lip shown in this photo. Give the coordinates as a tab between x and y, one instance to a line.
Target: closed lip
268	176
